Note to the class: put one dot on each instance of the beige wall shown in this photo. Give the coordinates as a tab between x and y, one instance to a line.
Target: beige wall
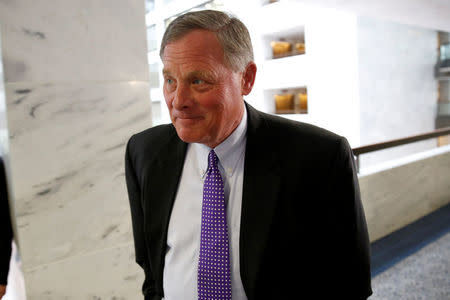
401	194
76	84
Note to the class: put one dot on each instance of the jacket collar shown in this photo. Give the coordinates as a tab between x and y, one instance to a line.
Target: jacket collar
159	193
259	197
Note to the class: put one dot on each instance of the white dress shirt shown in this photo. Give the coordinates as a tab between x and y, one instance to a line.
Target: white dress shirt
183	237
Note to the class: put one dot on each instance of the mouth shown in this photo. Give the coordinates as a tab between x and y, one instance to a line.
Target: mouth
187	120
186	117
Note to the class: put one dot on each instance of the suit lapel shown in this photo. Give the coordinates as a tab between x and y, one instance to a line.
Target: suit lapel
161	190
260	193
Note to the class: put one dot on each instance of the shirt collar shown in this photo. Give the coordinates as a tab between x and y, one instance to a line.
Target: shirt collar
229	151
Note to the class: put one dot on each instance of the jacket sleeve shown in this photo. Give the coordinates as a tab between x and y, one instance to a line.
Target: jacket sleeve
6	234
353	252
137	219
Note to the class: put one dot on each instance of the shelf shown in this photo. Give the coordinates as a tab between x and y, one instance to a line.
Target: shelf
286	72
289	101
288	59
277	56
290	112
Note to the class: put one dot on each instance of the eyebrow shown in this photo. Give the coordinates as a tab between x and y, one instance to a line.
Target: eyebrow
193	74
201	74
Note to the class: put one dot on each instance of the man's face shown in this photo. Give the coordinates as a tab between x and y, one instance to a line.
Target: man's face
204	97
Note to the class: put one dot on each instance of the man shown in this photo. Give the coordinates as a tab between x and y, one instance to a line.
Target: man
231	203
6	235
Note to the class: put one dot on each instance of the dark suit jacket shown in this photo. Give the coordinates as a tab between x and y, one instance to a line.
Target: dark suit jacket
303	229
6	233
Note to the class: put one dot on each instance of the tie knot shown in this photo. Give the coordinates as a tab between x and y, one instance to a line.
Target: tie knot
212	159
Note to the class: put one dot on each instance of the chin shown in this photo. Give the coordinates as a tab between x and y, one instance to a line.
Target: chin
189	137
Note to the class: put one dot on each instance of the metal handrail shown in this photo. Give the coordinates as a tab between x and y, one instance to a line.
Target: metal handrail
397	142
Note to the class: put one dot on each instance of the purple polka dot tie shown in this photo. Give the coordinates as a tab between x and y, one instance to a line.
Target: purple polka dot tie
214	279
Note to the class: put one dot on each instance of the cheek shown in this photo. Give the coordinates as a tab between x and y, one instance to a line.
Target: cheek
211	101
168	99
235	88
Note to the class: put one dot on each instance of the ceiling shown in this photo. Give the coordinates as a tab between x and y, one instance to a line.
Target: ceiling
432	14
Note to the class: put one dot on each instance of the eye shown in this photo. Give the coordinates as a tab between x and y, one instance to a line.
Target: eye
198	81
170	84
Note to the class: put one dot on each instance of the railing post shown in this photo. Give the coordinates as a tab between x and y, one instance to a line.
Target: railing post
357	163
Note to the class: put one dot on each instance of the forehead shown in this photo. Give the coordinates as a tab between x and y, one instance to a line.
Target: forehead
197	46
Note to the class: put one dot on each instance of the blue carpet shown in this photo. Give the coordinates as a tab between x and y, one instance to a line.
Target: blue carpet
400	244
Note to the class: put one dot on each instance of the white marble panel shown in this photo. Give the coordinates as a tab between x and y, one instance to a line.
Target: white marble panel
67	144
401	195
107	274
52	41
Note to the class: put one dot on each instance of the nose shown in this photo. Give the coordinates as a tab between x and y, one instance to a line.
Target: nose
182	97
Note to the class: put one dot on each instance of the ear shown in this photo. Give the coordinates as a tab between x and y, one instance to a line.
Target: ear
248	78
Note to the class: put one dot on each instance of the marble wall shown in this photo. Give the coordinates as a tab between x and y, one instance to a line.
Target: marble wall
77	86
397	85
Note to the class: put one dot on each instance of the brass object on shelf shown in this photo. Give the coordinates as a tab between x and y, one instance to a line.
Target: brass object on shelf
303	102
280	47
284	102
300	47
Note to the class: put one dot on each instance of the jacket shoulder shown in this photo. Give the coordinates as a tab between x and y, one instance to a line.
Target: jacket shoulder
158	133
146	145
290	133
